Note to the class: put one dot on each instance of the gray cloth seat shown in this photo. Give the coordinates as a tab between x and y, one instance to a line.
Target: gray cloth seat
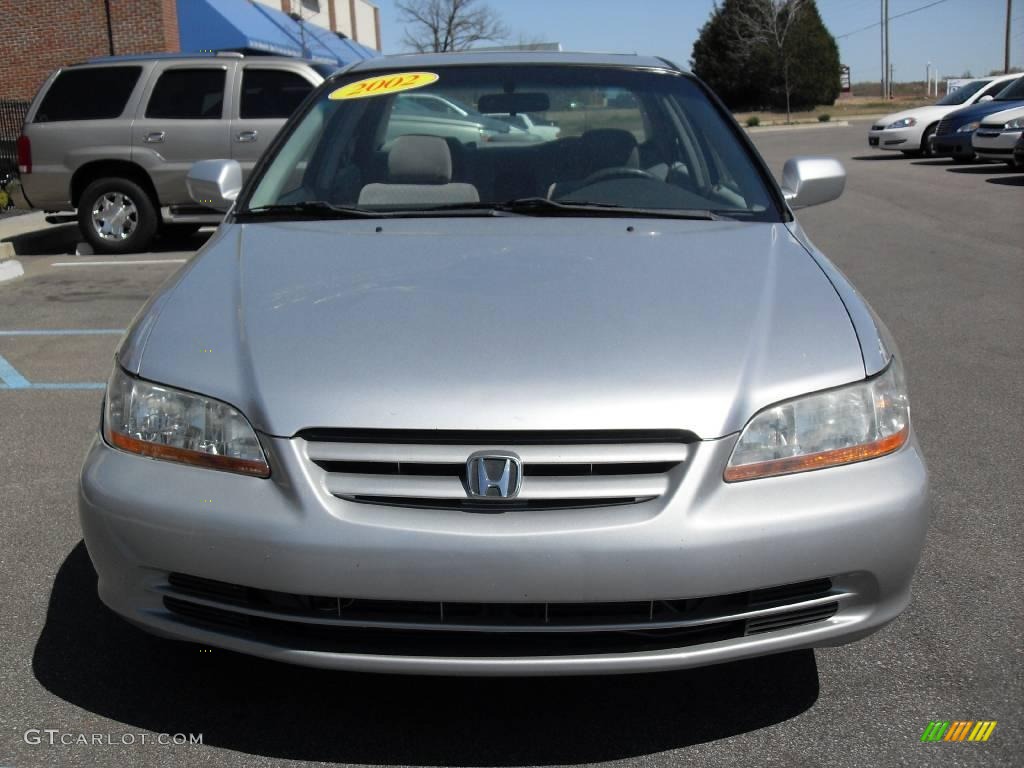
419	173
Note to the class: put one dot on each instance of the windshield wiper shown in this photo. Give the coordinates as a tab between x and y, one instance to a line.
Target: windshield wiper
308	210
541	206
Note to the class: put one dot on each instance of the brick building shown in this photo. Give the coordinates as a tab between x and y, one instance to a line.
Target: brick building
42	35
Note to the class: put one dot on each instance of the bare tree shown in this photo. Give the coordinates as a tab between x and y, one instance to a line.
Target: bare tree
770	23
448	25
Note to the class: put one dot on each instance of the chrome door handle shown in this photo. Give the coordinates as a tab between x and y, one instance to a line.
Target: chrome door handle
246	136
155	138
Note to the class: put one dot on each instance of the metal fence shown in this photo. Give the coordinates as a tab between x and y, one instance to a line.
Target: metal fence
12	116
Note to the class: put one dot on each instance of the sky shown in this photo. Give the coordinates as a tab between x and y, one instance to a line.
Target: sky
956	36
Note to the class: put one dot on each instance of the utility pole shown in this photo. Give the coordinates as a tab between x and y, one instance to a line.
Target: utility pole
1006	54
881	44
889	66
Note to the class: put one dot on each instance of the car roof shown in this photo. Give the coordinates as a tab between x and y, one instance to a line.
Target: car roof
185	57
463	58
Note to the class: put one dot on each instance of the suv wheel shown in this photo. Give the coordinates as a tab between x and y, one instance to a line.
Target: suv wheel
117	216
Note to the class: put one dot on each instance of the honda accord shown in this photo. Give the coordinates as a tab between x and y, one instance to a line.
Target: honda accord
591	404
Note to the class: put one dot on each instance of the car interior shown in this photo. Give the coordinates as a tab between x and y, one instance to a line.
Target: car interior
354	162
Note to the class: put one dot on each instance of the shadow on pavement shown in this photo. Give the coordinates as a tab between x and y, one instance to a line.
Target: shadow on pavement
64	238
91	658
880	156
986	168
1009	181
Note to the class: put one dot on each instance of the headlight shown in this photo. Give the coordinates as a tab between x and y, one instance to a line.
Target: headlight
906	122
968	127
164	423
840	426
1015	124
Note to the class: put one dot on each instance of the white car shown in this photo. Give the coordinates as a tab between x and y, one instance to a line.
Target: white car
908	131
998	134
545	130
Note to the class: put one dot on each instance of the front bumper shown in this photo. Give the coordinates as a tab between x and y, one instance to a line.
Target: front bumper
899	139
861	527
995	144
953	145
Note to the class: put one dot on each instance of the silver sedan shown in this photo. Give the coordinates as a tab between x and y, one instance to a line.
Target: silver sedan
587	405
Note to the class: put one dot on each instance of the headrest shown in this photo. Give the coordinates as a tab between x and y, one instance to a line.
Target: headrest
611	147
419	160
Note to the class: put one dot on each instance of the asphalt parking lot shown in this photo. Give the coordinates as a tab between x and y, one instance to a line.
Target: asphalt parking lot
937	248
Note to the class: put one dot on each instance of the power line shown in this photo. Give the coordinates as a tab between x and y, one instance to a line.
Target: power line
897	16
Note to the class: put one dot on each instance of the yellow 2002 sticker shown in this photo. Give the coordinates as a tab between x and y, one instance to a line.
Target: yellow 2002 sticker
383	84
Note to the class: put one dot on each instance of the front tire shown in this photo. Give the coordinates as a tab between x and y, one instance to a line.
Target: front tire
117	216
926	147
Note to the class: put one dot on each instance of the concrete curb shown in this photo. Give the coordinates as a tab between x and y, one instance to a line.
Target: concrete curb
798	127
22	225
10	269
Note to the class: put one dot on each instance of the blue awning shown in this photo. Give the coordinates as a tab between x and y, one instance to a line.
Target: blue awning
242	25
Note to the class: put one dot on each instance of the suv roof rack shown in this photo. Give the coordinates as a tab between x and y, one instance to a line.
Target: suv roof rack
161	56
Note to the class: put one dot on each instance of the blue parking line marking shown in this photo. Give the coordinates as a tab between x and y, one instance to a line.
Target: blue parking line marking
69	385
10	378
66	332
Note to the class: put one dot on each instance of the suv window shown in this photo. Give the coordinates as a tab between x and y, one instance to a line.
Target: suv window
188	94
98	93
271	93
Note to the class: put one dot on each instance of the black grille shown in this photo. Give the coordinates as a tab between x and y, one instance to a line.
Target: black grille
459	628
496	507
791	618
944	127
339	639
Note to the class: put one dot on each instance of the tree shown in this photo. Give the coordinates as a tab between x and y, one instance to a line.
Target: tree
738	72
753	52
448	25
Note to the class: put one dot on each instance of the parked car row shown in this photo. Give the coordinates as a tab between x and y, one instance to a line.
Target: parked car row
983	119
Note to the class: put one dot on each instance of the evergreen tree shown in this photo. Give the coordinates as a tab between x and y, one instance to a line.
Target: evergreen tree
755	53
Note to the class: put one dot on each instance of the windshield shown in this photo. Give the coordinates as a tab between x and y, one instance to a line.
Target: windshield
1013	92
963	93
556	138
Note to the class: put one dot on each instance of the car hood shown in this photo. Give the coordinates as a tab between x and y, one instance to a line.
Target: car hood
923	114
1005	115
499	323
978	111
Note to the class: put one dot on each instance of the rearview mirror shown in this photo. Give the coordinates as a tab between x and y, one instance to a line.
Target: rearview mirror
984	99
214	183
513	103
810	181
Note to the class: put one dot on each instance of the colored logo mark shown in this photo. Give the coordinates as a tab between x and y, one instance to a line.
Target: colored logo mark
958	730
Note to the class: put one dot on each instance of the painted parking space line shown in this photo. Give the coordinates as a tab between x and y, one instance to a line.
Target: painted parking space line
11	378
65	332
116	263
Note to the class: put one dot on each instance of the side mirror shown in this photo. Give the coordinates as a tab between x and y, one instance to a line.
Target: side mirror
214	183
984	99
810	181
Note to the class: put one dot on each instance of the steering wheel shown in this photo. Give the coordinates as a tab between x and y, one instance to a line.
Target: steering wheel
619	172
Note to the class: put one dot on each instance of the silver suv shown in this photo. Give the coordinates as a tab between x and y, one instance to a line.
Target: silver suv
114	137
